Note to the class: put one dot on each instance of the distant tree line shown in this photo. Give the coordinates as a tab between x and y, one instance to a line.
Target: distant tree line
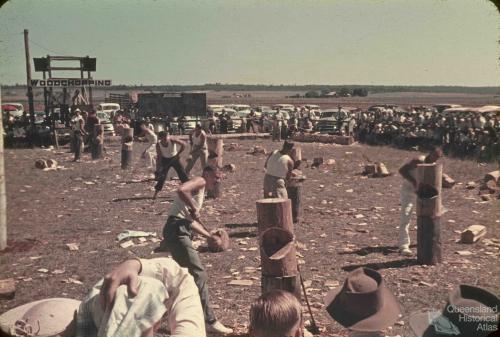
360	89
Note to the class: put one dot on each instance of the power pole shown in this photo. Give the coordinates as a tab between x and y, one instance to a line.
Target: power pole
3	192
30	88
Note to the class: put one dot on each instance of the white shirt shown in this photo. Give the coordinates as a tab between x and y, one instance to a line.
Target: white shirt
151	136
168	151
197	140
277	165
184	312
181	210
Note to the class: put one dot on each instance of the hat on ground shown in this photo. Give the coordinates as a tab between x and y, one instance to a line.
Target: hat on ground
363	303
49	317
470	311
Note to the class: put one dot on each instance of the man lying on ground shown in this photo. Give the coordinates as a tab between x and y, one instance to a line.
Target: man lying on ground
130	301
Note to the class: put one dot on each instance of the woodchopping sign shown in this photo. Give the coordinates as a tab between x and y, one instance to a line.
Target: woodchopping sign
70	82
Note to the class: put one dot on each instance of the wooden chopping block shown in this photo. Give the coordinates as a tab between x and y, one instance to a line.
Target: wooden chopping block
41	164
220	241
495	175
51	163
447	181
229	168
381	170
370	169
473	233
7	289
317	162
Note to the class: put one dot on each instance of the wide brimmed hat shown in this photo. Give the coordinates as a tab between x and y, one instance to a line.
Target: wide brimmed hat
363	303
469	312
49	317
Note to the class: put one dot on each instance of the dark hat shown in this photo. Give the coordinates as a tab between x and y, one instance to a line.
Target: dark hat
363	303
470	312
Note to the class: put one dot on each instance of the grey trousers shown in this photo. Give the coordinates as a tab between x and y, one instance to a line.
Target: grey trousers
274	187
177	235
199	153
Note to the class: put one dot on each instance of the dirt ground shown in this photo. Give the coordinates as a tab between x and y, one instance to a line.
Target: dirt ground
348	221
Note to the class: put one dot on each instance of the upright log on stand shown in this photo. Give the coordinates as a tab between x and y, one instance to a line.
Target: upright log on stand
97	148
127	145
294	186
429	178
277	246
215	147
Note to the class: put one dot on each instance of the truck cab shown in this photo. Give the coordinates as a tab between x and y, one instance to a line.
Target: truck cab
108	108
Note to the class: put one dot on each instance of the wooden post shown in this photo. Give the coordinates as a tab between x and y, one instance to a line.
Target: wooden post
277	246
296	156
274	212
31	105
97	144
3	191
429	178
127	147
294	191
215	147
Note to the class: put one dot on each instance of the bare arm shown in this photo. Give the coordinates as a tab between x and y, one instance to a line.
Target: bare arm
186	190
265	164
198	228
125	273
404	171
290	165
158	152
179	142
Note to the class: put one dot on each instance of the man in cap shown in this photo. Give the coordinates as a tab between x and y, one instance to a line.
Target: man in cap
279	166
408	196
183	220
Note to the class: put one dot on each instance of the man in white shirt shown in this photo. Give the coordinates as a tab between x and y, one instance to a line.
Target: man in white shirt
183	220
184	311
168	151
148	155
78	133
408	196
279	166
198	140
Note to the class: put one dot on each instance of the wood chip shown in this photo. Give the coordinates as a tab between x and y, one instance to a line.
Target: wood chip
243	283
463	252
127	244
72	246
7	288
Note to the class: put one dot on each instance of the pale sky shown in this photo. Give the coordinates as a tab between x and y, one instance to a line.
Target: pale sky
391	42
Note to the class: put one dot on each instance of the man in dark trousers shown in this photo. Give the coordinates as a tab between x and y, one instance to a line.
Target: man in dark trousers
78	132
183	220
168	151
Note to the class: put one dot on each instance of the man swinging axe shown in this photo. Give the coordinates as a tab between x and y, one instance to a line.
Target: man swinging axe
183	220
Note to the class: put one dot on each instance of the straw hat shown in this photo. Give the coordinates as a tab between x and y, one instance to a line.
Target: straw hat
49	317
